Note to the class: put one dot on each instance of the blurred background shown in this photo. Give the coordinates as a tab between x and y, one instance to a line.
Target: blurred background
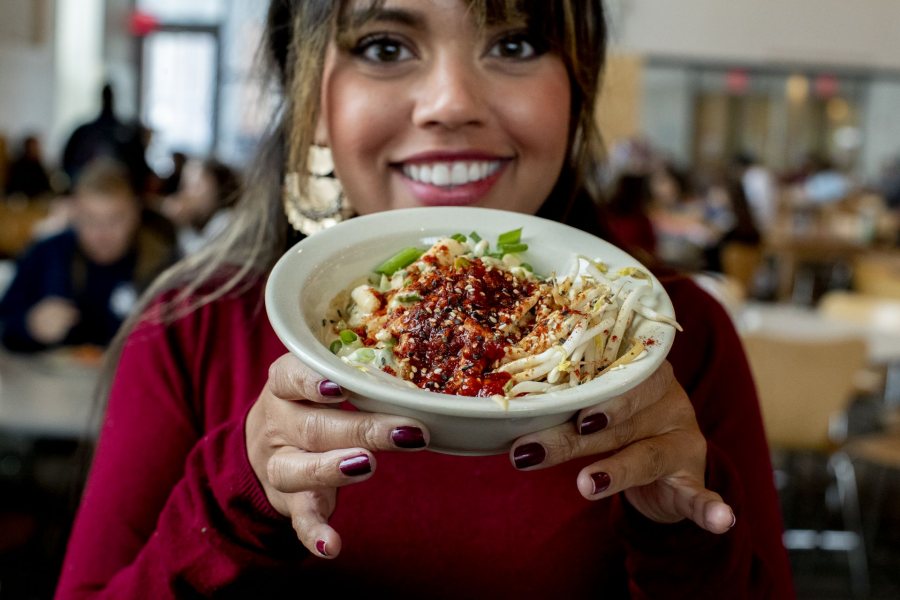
751	143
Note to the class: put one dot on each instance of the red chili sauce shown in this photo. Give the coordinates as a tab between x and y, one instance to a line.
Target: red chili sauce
453	335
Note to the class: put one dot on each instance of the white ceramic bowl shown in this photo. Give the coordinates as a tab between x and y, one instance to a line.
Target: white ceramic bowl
307	278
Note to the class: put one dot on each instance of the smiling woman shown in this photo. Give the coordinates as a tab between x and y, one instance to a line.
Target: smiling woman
427	107
268	482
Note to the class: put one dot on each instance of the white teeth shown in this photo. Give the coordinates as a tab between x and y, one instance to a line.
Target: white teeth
440	175
459	174
448	174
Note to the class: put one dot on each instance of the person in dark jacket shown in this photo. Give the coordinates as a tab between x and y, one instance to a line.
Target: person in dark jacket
76	287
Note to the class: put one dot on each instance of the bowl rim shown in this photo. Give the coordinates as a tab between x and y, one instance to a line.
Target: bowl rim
294	267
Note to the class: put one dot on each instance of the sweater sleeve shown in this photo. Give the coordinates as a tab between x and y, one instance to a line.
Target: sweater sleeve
749	560
24	291
180	511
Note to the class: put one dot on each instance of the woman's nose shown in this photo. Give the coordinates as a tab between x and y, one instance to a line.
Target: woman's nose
452	95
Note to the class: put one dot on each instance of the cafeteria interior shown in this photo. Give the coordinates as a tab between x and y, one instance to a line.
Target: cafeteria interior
754	145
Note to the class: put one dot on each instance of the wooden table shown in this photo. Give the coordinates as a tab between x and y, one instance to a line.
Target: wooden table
791	251
808	323
48	395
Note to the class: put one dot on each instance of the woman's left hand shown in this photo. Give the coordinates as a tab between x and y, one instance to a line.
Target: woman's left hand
649	447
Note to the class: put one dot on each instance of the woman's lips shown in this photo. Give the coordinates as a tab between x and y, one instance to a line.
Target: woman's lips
454	182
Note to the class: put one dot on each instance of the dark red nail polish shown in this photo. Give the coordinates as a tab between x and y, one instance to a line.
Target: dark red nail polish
593	423
529	455
355	465
601	482
330	388
408	437
320	547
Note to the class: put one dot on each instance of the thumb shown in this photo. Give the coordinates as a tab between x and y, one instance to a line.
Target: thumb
309	517
704	507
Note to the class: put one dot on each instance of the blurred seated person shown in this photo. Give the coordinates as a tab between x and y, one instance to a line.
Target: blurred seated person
738	228
27	175
626	215
686	224
201	209
172	181
74	288
826	184
759	188
108	136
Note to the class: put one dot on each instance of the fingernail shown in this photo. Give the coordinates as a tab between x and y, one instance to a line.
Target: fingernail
601	482
320	547
733	520
529	455
408	437
593	423
330	388
355	465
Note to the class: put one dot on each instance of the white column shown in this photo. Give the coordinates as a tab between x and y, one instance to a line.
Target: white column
79	69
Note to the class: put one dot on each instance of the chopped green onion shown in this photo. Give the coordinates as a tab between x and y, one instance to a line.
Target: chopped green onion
510	237
512	248
527	267
336	346
363	355
460	263
459	238
475	237
407	298
402	259
348	336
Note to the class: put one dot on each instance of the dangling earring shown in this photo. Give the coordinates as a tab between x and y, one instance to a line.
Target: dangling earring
324	203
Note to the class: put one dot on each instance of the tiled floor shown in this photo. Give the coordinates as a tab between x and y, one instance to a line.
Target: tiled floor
826	575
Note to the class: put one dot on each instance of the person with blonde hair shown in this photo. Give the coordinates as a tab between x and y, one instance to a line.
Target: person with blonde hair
228	468
77	286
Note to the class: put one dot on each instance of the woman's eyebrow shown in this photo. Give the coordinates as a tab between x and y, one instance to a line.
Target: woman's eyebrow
360	17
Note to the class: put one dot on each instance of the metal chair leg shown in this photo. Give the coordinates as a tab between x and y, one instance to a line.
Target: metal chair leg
842	468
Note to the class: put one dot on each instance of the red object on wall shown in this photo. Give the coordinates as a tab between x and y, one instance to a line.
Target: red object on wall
826	86
141	24
737	81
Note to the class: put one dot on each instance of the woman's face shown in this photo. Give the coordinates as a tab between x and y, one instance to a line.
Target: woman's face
421	107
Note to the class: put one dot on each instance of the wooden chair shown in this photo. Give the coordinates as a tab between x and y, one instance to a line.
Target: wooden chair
875	314
804	388
740	262
17	221
879	451
877	274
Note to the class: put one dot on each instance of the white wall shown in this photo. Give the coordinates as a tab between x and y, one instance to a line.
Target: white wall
848	33
50	75
78	66
881	127
27	87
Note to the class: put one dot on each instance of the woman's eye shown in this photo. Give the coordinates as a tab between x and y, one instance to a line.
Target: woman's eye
514	46
382	50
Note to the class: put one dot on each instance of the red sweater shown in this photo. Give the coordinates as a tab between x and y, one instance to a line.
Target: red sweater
172	507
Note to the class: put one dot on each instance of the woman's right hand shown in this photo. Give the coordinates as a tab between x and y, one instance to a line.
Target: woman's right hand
302	449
